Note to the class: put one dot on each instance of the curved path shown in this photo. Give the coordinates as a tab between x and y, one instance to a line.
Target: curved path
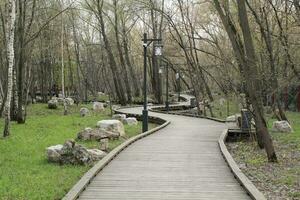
181	161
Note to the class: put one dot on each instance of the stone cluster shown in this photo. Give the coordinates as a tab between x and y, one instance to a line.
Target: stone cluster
72	153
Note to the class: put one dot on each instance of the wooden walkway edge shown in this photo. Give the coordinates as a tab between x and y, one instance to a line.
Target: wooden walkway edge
80	186
183	161
240	176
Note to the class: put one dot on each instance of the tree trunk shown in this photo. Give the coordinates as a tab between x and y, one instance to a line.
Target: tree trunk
21	60
128	62
63	65
122	61
10	56
112	62
253	81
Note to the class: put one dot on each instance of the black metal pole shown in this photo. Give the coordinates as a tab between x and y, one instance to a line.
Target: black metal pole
145	111
167	87
179	87
86	93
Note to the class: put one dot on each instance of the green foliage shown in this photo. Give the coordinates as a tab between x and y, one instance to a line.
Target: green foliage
24	171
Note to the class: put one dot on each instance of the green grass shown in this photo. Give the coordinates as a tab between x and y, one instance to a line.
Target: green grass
294	137
25	172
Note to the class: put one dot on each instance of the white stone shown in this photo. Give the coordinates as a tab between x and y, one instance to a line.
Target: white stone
112	125
52	104
69	101
131	121
84	112
282	126
119	117
96	154
91	134
98	107
53	153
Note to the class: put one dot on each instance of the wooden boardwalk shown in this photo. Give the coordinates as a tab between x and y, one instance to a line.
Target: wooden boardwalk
181	161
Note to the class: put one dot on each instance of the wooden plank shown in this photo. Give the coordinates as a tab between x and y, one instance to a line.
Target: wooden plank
181	162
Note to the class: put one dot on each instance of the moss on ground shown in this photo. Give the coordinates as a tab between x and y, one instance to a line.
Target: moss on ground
25	172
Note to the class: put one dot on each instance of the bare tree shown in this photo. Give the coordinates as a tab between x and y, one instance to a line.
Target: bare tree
245	53
10	56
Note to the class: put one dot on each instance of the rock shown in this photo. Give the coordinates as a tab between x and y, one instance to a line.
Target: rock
101	94
96	134
104	144
84	112
52	104
112	135
96	154
53	153
72	153
115	107
113	125
60	100
131	121
91	134
69	101
282	126
39	99
119	117
98	107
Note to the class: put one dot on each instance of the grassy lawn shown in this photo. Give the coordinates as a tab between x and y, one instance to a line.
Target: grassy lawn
24	170
276	180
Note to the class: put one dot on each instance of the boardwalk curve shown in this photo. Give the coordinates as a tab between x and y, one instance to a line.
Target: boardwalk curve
181	161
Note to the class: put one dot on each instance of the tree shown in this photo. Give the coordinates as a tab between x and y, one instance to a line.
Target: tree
10	55
245	54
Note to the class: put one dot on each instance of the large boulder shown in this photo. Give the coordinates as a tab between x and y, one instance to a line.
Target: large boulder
114	126
96	134
131	121
84	112
119	117
72	153
53	153
91	134
282	126
52	104
98	107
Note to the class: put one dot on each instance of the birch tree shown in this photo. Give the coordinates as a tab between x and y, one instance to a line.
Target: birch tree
10	56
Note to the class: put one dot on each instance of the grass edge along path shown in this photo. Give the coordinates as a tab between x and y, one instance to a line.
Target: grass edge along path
25	172
276	180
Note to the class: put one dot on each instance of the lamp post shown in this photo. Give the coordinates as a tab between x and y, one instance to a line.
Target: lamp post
179	87
158	52
167	85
